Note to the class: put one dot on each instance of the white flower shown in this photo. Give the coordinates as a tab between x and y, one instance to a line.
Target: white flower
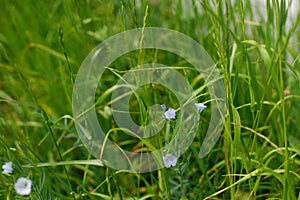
170	160
7	168
170	113
200	106
23	186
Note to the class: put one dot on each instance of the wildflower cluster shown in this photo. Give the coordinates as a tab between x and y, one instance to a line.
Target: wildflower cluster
22	185
171	113
169	159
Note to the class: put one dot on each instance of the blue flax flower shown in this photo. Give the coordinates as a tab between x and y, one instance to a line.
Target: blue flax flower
170	113
170	160
200	106
163	106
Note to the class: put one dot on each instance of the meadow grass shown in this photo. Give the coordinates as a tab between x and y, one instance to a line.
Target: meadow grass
42	45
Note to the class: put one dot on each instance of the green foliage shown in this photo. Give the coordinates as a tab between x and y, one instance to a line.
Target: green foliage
43	43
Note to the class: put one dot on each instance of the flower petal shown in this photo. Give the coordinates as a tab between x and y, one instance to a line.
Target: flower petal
200	106
170	160
7	168
23	186
163	106
170	113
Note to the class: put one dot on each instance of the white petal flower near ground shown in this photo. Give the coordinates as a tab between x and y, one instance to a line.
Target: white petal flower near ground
7	168
23	186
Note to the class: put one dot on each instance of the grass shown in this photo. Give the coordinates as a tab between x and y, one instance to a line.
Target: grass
42	45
